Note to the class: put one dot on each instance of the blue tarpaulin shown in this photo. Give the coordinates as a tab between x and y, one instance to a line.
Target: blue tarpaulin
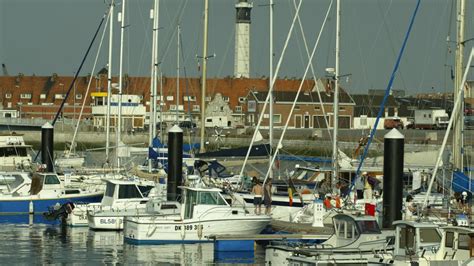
461	182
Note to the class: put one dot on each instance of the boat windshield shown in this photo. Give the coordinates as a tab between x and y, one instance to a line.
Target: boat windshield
429	235
129	192
368	227
464	241
109	190
13	151
407	238
51	180
16	183
145	190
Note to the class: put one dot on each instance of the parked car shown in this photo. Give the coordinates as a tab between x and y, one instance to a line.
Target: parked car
469	122
187	124
394	122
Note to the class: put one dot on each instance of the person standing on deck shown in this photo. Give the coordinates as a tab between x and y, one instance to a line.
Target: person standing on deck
367	187
267	196
257	191
359	186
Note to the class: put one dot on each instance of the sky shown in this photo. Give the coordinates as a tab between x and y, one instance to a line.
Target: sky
42	37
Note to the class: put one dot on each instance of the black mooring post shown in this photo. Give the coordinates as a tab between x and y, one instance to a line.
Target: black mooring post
175	162
392	178
47	146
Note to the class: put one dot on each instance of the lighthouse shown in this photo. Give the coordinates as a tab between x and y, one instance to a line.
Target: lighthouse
242	39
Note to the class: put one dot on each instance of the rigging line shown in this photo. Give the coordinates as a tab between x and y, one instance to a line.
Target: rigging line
260	118
280	142
428	58
387	93
80	68
221	67
379	31
448	44
186	88
387	29
146	27
312	67
172	33
89	84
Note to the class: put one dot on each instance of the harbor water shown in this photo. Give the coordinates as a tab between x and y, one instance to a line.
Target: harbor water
28	239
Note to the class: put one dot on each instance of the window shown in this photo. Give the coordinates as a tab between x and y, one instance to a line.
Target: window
173	107
238	109
277	118
109	190
59	96
196	108
226	99
42	96
78	96
368	227
449	243
342	108
297	107
429	235
241	99
8	95
208	98
210	198
407	238
128	192
13	151
25	96
463	241
252	106
189	98
169	98
317	108
51	180
145	190
363	120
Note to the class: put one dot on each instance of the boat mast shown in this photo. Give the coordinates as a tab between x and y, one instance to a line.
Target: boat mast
177	77
204	73
458	123
270	102
109	84
119	120
335	153
153	78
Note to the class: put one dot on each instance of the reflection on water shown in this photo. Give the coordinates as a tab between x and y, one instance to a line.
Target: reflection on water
24	242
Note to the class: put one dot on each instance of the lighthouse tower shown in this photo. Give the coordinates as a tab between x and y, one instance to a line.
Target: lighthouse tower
242	39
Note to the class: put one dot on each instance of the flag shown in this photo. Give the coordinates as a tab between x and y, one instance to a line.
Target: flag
290	195
291	190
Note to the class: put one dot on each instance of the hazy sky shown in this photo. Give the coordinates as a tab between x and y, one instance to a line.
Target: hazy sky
51	36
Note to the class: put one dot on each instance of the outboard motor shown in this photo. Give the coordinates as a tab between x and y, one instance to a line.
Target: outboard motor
59	211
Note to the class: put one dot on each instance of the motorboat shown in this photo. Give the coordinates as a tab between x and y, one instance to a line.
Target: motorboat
356	238
119	195
204	213
35	193
426	243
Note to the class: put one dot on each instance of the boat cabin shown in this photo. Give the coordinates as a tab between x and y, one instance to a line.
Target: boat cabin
349	228
16	183
46	184
457	243
13	152
117	191
199	200
415	239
